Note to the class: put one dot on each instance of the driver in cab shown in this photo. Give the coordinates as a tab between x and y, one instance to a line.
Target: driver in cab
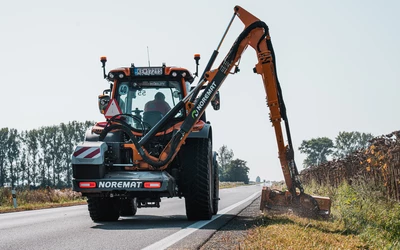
158	104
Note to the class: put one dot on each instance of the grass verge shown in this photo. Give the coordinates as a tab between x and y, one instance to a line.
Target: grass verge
38	199
361	218
288	231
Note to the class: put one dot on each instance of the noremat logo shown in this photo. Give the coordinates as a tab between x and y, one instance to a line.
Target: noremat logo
195	114
203	100
120	184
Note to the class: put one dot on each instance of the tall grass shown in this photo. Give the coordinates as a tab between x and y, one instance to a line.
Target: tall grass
364	211
31	199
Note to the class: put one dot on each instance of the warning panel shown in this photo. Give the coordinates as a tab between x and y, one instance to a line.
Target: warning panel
112	109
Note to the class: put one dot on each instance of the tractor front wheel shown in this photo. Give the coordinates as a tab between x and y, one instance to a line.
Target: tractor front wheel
216	184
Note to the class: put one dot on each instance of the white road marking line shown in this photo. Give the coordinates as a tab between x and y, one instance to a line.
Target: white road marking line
172	239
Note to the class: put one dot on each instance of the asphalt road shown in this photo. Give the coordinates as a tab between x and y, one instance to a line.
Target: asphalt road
150	228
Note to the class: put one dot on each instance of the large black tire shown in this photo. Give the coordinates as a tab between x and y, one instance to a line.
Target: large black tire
128	207
102	209
216	184
197	179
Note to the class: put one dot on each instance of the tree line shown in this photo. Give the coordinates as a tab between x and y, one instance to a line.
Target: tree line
319	149
42	157
39	157
377	166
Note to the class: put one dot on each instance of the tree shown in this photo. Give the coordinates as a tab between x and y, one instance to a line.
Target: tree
258	179
44	155
224	158
317	150
13	149
67	148
237	171
54	156
57	157
23	169
3	155
231	170
349	142
32	146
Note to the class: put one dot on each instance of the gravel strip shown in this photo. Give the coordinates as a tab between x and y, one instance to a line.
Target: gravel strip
234	232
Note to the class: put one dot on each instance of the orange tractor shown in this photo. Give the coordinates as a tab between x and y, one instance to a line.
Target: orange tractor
157	142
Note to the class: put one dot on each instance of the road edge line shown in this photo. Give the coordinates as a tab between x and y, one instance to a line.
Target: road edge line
173	238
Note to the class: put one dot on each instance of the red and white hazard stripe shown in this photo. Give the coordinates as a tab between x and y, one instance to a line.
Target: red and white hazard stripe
87	152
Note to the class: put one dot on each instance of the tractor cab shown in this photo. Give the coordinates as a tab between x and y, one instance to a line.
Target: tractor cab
147	100
145	94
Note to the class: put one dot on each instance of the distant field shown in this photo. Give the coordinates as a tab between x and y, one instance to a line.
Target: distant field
230	184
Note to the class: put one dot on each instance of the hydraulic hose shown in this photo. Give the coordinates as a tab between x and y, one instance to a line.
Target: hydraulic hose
282	107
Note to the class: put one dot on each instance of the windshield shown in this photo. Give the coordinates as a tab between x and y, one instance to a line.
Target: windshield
148	101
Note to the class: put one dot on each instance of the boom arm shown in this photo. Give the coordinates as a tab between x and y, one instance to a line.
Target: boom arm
266	66
255	34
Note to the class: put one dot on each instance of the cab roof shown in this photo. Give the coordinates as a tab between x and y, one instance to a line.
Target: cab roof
133	72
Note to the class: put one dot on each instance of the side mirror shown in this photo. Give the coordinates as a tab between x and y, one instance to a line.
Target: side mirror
103	101
215	102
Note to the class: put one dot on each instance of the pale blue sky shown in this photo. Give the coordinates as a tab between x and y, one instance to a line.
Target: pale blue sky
338	64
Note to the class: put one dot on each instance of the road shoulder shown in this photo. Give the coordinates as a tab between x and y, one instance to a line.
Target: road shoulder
232	234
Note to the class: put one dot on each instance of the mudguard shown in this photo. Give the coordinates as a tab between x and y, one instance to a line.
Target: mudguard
205	132
89	153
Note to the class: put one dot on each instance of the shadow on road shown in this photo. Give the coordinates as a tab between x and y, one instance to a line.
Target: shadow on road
140	222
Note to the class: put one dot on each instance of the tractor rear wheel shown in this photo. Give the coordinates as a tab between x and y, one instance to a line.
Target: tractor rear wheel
102	209
197	179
